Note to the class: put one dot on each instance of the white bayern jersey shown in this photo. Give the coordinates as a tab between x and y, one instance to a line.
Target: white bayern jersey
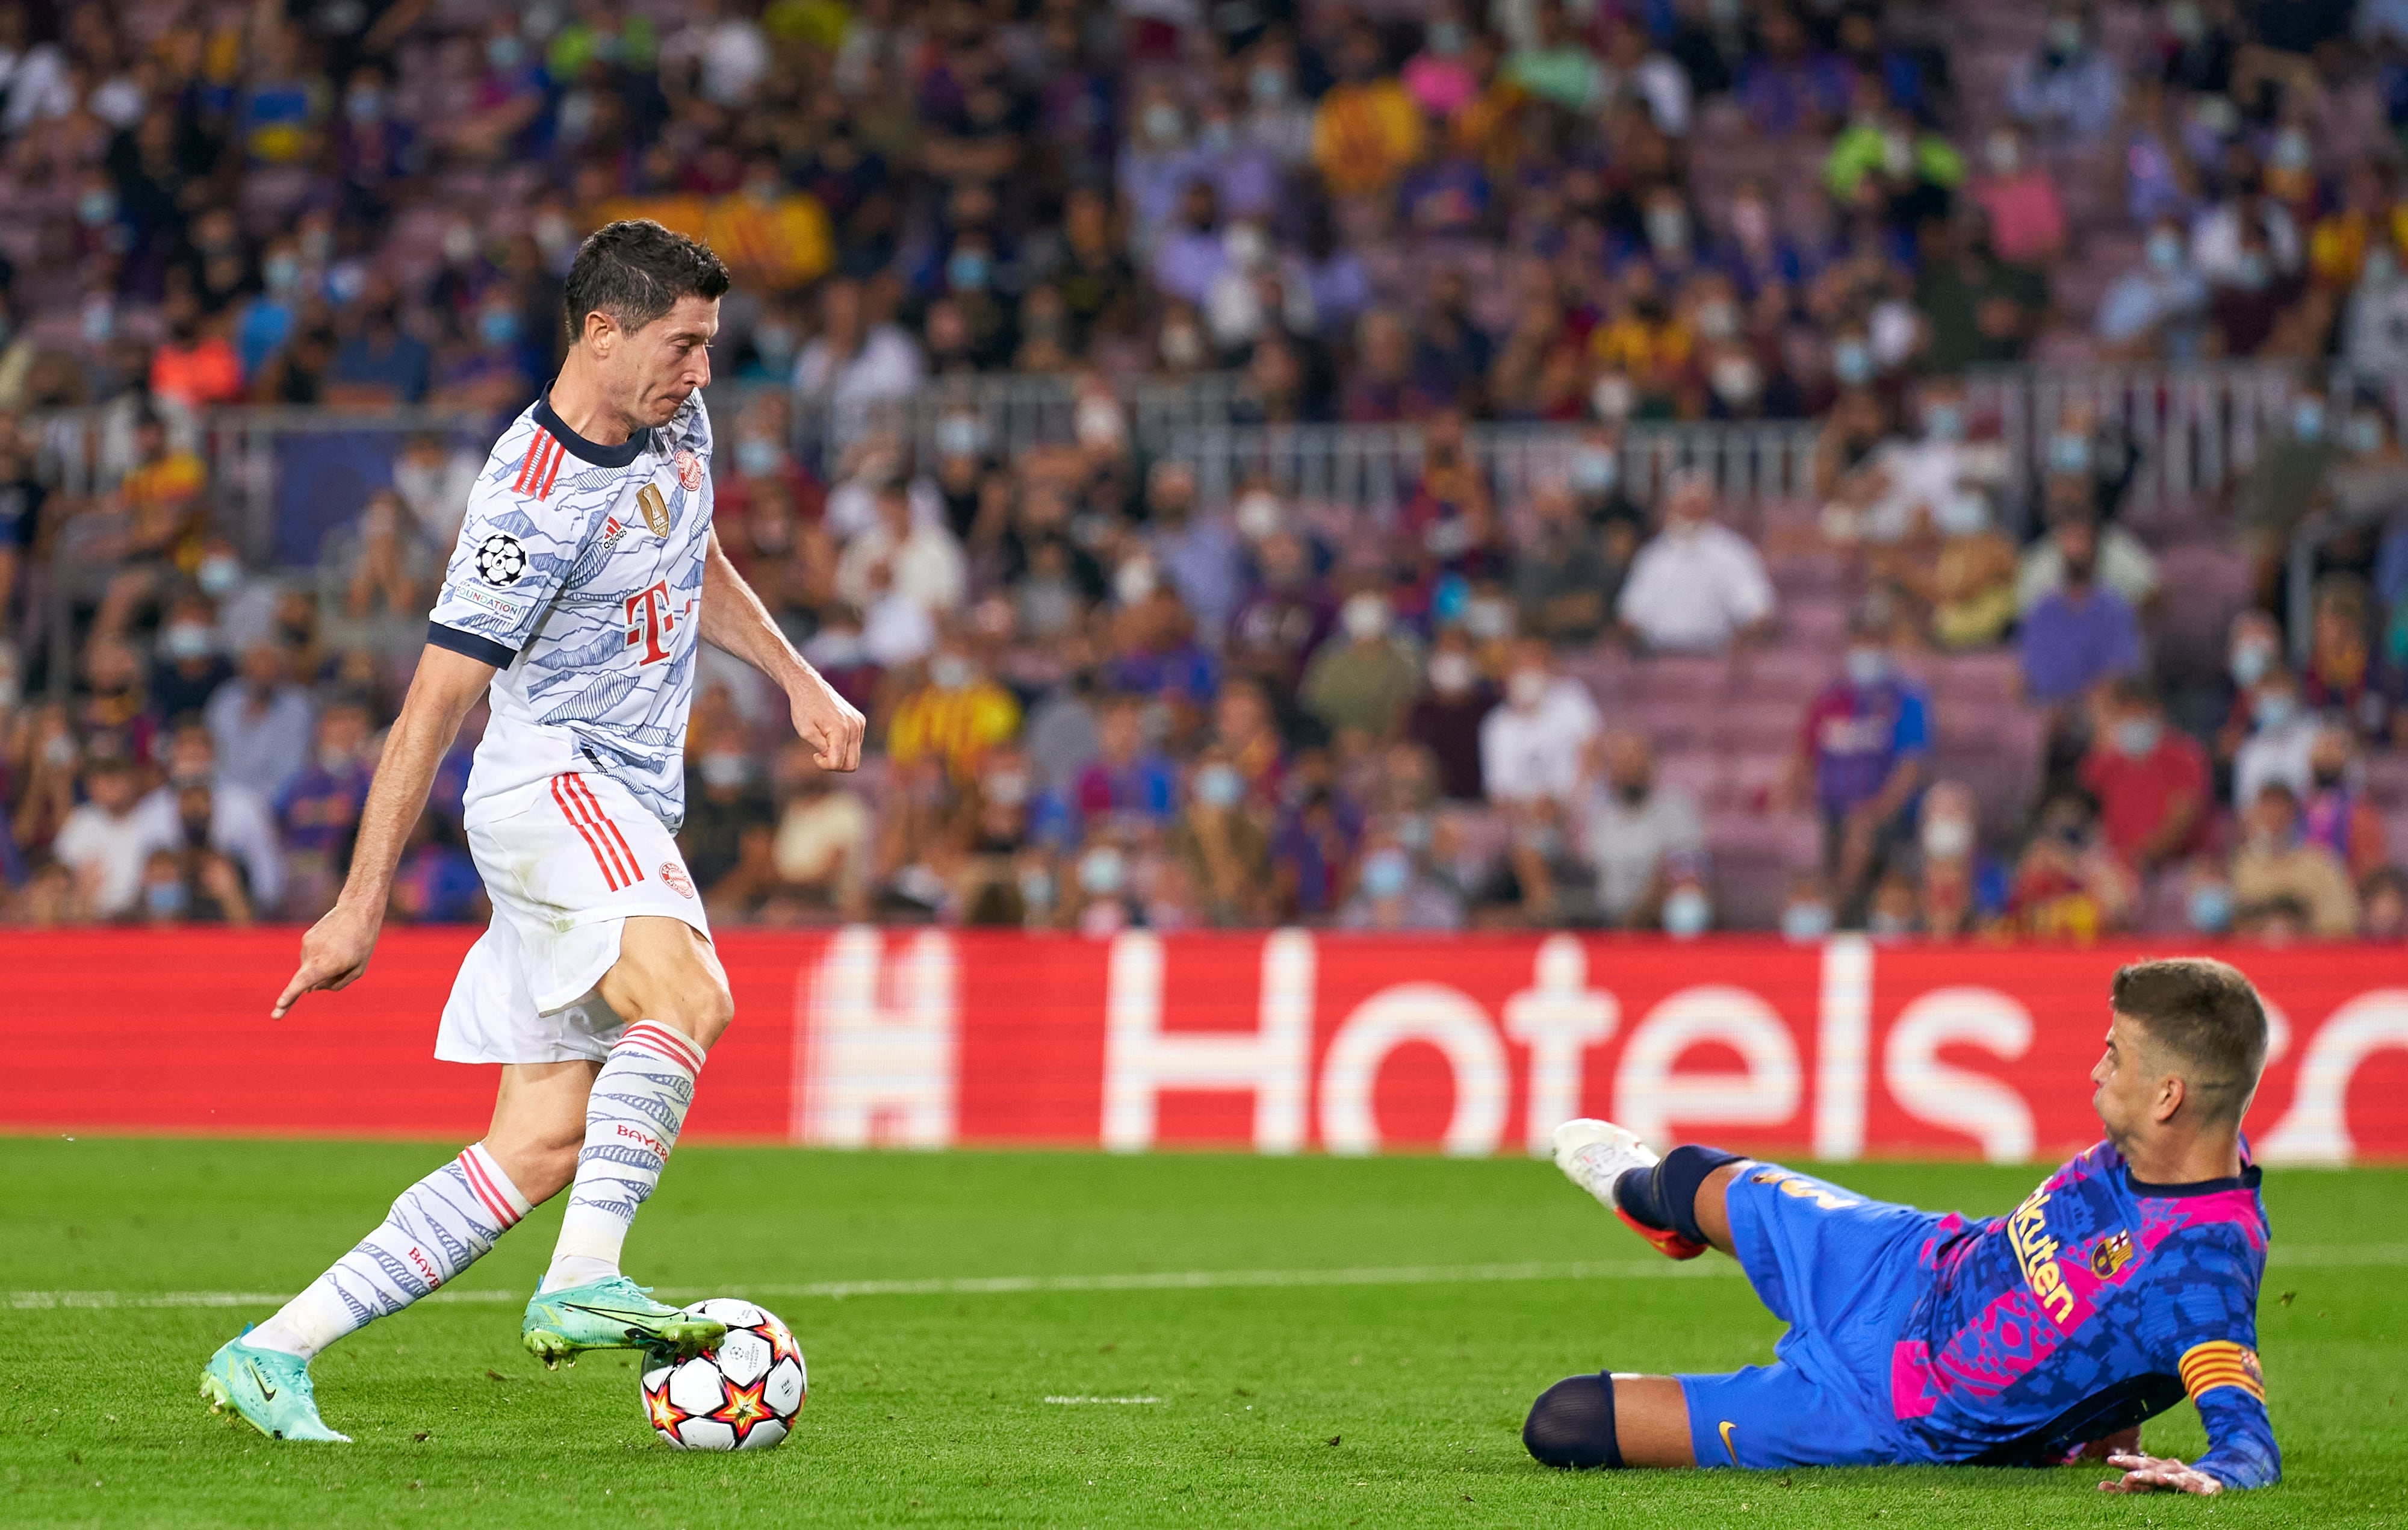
578	576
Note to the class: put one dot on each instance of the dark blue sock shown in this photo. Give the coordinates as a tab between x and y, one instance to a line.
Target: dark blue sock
1666	1196
1570	1426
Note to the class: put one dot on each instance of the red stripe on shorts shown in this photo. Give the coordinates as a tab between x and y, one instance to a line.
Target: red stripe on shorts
602	820
573	811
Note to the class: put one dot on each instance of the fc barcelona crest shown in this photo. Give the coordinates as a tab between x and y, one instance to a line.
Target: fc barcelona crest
655	509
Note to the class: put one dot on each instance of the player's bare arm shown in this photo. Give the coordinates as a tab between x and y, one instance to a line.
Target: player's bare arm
734	618
336	951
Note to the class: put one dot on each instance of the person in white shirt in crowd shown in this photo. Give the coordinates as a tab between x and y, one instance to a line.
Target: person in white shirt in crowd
853	364
241	825
1697	586
725	48
1634	827
2281	743
104	842
923	562
2124	565
1941	481
1533	745
263	723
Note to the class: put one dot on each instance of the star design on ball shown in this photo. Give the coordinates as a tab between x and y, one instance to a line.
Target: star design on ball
745	1407
664	1414
781	1343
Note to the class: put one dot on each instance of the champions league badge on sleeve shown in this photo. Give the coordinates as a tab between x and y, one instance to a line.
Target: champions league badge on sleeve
500	560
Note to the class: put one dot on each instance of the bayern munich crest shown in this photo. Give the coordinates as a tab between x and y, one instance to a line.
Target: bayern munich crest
674	878
689	470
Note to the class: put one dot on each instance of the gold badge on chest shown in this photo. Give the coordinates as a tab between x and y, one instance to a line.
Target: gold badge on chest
655	509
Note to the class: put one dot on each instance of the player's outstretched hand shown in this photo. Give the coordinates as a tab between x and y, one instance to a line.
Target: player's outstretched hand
2148	1473
333	954
829	723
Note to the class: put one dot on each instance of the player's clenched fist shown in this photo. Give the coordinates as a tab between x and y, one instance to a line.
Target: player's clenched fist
2147	1473
828	722
333	954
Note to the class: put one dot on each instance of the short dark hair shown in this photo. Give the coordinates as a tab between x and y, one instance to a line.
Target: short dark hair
2204	1012
635	270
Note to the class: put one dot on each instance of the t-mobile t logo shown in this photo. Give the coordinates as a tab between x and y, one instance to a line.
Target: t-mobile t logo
650	620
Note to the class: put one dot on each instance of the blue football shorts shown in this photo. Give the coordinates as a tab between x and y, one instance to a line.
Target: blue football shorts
1842	1271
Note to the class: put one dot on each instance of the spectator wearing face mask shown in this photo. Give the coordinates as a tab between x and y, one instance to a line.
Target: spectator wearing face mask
2080	633
730	827
1961	887
955	715
1806	915
1364	677
1446	717
1941	478
2155	310
190	668
1393	893
2275	862
1227	852
1863	750
2151	781
1697	586
1688	905
2293	471
2069	90
1533	746
2253	652
2281	738
1634	828
2336	811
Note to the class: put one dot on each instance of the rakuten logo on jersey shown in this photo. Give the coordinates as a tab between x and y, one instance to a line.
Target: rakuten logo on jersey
650	620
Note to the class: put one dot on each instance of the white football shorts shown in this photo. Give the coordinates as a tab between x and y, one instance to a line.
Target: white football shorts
567	861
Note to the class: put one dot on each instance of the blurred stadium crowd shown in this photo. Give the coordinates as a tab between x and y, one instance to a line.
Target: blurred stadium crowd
1923	690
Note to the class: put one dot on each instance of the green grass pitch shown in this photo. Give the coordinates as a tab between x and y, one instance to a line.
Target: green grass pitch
1303	1404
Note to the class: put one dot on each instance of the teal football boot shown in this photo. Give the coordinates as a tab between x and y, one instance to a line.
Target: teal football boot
614	1313
268	1388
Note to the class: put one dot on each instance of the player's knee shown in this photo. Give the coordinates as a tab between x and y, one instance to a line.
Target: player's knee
696	1004
1572	1424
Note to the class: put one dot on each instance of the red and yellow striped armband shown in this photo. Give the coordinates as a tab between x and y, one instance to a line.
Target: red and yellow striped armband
2221	1363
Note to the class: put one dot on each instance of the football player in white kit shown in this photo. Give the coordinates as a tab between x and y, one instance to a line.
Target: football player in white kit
586	573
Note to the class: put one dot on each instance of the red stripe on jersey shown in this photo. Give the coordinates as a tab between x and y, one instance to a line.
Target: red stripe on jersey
552	474
576	784
663	1043
530	469
573	814
493	1200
